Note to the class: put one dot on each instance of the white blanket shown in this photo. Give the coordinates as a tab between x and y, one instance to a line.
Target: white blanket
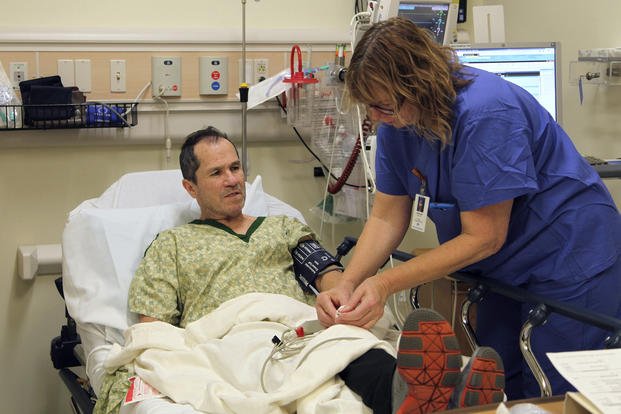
215	363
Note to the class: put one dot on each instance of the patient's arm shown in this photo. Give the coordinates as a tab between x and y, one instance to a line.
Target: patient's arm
328	280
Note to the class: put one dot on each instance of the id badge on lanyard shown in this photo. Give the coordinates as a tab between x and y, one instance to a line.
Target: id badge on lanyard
421	204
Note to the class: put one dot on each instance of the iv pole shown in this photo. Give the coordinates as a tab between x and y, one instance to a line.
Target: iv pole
243	92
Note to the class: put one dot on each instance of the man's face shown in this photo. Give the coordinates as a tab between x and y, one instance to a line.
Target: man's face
220	183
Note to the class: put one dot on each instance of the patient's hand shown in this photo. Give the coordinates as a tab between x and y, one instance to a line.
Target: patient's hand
334	293
366	305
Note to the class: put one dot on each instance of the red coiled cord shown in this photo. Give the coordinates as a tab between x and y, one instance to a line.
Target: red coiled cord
336	186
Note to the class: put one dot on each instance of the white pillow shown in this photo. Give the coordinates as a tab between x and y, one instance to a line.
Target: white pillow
102	248
101	251
256	202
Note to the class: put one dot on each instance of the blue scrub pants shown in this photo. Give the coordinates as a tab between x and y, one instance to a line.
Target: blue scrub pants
499	321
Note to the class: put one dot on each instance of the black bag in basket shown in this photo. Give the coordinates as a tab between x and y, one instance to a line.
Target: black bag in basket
44	99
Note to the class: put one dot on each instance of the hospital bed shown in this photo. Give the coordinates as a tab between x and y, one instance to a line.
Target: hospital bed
103	240
105	237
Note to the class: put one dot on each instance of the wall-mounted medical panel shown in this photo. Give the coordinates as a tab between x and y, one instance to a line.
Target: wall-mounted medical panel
166	76
213	75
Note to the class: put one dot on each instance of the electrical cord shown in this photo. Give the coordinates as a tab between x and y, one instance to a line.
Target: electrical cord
112	109
311	151
142	91
123	116
356	17
355	21
335	187
290	345
358	6
287	347
167	140
364	130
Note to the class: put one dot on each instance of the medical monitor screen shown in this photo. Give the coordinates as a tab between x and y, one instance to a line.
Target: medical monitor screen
431	16
533	67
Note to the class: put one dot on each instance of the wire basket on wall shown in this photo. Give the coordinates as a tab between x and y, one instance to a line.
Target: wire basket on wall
65	116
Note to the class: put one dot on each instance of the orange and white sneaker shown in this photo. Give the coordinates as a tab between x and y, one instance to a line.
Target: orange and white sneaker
429	361
481	382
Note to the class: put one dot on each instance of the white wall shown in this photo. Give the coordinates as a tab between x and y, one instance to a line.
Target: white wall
39	185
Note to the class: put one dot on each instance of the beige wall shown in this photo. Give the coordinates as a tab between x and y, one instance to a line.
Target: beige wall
38	187
162	14
40	183
594	126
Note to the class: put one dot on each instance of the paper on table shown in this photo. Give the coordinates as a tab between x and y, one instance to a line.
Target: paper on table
596	374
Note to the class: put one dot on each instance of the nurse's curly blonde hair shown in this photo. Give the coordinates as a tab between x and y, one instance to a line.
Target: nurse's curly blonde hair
397	59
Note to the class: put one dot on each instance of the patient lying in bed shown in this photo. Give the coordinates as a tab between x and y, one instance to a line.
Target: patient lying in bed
216	274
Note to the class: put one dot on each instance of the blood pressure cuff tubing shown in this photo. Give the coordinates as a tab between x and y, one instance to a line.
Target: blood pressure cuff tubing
310	261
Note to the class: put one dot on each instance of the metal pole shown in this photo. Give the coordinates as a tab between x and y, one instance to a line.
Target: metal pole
243	40
244	102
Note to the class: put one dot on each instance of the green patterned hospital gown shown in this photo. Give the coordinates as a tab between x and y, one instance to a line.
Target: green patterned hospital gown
190	270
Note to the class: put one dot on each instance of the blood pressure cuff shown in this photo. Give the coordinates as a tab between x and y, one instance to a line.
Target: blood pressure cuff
310	261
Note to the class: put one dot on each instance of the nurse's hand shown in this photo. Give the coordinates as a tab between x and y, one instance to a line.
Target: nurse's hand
366	305
331	299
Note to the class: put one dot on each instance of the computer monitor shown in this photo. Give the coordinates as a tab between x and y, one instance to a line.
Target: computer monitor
438	16
533	66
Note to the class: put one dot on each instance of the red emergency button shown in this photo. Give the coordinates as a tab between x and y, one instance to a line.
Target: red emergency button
175	87
215	75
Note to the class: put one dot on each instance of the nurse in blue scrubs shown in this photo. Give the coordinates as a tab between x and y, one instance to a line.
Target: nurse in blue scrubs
510	196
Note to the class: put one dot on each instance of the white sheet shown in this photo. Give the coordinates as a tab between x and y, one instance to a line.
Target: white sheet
214	363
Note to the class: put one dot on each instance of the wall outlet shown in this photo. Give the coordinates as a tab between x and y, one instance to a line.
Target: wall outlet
213	75
117	76
18	71
260	70
166	76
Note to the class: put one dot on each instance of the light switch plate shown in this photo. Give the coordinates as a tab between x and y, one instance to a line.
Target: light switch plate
117	75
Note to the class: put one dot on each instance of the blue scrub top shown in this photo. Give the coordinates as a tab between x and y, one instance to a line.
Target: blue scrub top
505	145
